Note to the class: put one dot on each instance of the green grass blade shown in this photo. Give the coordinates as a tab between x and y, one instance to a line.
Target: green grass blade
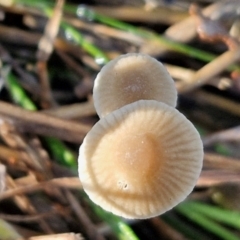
205	222
18	94
225	216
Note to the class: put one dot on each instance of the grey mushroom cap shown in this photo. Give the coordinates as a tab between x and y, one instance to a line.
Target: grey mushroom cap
140	160
129	78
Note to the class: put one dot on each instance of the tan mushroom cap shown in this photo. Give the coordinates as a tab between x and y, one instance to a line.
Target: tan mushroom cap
130	78
140	160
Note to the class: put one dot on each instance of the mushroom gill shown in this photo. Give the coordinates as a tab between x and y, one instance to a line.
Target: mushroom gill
140	160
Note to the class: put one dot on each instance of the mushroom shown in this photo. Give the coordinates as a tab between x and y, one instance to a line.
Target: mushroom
140	160
129	78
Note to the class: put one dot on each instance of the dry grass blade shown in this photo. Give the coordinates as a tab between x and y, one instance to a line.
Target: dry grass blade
209	178
77	110
40	123
71	183
231	134
89	227
2	178
62	236
84	88
211	69
21	218
26	206
45	48
184	76
8	35
13	157
165	230
216	161
218	101
29	149
139	14
106	31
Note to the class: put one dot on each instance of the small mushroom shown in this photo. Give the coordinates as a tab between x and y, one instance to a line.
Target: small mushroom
129	78
140	160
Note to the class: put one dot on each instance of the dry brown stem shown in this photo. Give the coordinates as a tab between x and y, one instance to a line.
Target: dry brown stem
209	178
210	70
89	227
106	31
45	48
139	14
22	218
25	205
216	161
77	110
46	43
71	183
220	102
231	134
165	230
61	236
40	123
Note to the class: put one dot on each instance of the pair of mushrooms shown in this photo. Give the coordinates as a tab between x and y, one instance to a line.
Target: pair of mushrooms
143	156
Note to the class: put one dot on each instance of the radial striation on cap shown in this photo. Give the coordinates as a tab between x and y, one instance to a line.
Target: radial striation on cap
140	160
129	78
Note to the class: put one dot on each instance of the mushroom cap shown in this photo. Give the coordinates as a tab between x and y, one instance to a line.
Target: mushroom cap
129	78
140	160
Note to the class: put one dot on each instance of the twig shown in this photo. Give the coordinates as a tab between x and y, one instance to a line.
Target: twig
8	34
77	110
212	69
106	31
185	75
86	85
25	205
12	156
71	183
31	154
217	161
165	230
209	178
45	48
227	105
232	134
23	218
89	227
45	45
40	123
139	14
61	236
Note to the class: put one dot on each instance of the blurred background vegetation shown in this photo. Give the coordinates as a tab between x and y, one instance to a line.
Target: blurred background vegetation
50	53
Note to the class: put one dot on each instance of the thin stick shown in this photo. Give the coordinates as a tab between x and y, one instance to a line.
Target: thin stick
139	14
40	123
71	183
209	178
211	69
89	227
217	161
23	218
218	101
165	230
76	110
177	32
